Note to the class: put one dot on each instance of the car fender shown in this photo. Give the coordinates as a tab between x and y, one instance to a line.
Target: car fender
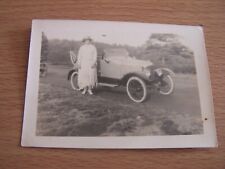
138	74
167	71
70	73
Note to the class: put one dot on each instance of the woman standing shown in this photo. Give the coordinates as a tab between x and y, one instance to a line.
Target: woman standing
87	63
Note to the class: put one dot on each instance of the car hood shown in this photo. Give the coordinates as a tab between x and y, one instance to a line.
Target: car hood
130	61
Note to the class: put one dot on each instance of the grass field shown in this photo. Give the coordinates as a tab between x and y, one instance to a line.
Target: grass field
64	112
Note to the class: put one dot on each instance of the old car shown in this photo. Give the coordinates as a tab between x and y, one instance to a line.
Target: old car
117	68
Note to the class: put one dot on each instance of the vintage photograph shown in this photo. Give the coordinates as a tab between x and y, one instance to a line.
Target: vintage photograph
98	86
113	79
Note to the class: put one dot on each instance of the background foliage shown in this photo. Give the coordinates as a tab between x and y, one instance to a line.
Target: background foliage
162	49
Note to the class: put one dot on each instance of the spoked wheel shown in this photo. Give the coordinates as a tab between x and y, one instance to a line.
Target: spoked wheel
74	81
136	89
166	85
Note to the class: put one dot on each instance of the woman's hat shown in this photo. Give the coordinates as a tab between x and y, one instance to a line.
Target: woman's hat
87	38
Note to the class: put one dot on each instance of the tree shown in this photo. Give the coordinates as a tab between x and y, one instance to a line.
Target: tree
44	48
167	50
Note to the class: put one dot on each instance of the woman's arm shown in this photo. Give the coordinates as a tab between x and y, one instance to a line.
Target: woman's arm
79	58
94	57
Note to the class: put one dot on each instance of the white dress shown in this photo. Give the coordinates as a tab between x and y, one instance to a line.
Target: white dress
87	60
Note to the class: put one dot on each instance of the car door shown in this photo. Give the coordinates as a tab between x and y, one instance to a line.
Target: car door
110	67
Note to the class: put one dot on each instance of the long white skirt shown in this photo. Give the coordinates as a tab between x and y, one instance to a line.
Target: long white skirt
87	77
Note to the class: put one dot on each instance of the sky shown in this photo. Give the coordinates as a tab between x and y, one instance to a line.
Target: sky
111	34
129	33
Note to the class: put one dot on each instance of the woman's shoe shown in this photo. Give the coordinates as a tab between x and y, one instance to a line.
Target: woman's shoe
90	92
84	91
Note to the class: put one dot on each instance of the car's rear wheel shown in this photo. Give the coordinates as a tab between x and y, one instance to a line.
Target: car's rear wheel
166	85
74	81
136	89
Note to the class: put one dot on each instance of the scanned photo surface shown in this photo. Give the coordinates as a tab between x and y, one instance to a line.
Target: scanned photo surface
109	79
63	111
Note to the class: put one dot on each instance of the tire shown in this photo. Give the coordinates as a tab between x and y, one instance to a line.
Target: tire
132	89
167	79
73	81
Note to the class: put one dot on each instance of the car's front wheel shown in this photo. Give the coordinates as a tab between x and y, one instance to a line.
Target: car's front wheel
74	81
136	89
166	85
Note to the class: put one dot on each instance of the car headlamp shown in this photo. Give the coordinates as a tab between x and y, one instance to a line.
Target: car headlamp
147	72
159	72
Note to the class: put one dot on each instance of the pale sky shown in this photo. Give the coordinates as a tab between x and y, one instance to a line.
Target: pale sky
130	33
107	34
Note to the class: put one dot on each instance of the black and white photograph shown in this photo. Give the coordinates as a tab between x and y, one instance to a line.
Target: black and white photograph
102	84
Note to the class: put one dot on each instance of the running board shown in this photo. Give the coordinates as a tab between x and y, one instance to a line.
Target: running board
106	84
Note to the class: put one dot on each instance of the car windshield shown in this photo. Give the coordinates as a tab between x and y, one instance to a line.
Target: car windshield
115	52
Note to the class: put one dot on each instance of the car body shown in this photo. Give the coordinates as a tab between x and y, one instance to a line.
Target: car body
117	68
